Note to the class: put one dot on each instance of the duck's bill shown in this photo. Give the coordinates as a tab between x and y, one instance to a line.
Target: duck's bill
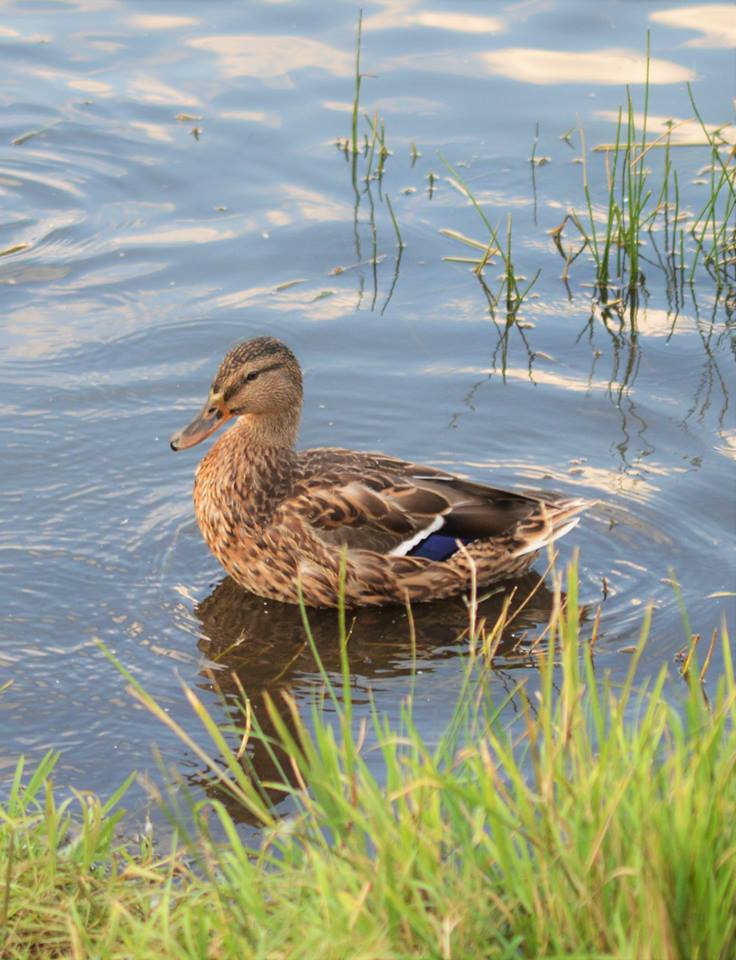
201	427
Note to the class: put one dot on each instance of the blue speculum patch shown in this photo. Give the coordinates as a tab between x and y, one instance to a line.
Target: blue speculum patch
437	546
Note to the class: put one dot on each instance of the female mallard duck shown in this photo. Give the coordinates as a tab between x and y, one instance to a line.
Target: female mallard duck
283	522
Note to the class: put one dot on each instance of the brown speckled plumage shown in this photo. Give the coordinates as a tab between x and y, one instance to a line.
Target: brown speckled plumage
279	520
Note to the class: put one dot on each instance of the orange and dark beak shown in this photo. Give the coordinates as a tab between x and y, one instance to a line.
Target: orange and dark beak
211	416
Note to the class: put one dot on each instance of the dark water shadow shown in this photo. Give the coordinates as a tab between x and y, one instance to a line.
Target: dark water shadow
258	647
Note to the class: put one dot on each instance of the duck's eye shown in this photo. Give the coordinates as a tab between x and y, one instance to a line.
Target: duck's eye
252	375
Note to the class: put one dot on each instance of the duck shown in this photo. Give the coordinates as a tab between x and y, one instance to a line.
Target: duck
329	526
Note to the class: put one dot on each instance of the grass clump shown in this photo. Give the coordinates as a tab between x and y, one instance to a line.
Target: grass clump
605	829
623	219
632	222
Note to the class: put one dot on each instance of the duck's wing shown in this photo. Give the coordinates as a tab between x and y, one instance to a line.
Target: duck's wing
373	502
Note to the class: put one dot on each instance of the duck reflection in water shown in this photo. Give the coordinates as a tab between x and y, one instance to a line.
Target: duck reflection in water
257	646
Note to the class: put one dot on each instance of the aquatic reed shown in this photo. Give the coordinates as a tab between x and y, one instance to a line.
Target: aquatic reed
367	167
510	294
640	206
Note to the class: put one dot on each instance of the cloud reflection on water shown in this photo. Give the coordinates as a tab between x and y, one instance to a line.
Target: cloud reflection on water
154	131
716	22
160	21
681	131
394	14
265	119
150	89
458	22
275	56
98	87
613	66
728	447
606	480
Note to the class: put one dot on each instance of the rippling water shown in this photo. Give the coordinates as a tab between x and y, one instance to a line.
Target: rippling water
165	177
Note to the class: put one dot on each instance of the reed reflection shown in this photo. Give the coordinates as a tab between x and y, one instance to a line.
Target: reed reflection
619	334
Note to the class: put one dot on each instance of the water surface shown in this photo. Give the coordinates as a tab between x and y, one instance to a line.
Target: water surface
165	177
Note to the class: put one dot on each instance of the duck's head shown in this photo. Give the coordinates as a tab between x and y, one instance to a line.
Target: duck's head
258	378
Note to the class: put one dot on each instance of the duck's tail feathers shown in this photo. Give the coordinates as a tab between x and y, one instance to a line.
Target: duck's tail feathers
552	521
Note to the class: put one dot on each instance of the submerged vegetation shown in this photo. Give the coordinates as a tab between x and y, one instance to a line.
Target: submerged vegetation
604	830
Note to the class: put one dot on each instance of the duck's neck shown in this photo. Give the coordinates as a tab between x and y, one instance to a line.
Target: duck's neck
249	470
272	431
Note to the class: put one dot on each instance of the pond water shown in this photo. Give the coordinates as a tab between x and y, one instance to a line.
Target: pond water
169	171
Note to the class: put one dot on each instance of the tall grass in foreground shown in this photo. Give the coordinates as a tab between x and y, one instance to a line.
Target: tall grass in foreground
605	828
